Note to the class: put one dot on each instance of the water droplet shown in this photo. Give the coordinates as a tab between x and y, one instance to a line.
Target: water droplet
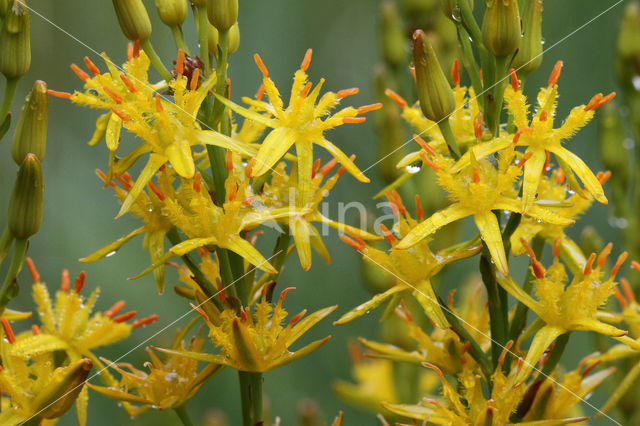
412	169
636	82
629	143
543	41
110	253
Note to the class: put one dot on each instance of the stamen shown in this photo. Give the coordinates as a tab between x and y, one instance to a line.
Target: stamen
424	145
396	98
516	138
144	321
515	84
434	368
314	168
619	297
156	191
35	330
64	280
354	120
589	265
476	175
229	160
357	246
260	92
524	158
547	158
455	73
419	211
477	125
560	177
113	95
193	85
284	292
158	103
233	192
626	288
136	49
8	332
602	258
247	201
77	287
412	70
590	368
63	95
305	90
124	317
307	60
387	234
505	351
130	86
122	116
196	182
556	246
481	76
398	201
347	92
180	62
129	51
538	270
81	74
598	100
366	108
428	162
623	256
603	177
122	182
297	317
452	292
543	116
117	307
260	64
324	170
92	67
250	164
635	265
32	270
555	74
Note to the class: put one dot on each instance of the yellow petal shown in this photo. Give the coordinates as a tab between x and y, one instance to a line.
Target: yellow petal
112	247
13	315
152	166
290	357
480	151
251	115
425	295
62	389
246	354
429	226
101	128
487	224
81	406
244	248
318	244
517	292
180	157
532	176
584	173
389	351
543	338
306	323
112	135
38	344
300	232
210	137
119	395
572	255
343	159
393	185
156	252
274	146
304	153
373	303
548	216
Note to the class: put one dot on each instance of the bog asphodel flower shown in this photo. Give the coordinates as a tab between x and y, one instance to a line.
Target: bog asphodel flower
255	342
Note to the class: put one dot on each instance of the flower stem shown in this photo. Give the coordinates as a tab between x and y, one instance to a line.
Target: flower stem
9	93
447	133
155	60
469	61
178	37
251	394
495	95
5	243
182	413
10	288
556	354
498	316
203	37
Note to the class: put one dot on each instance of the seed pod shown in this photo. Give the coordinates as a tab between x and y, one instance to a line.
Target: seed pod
133	19
529	55
234	38
393	38
501	27
25	204
222	13
15	45
172	12
31	132
62	389
434	92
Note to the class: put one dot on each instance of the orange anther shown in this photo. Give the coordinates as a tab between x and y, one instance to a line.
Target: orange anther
156	190
129	51
32	270
354	120
260	92
347	92
424	145
455	73
64	280
250	164
598	100
130	86
538	270
588	267
63	95
626	288
515	84
547	158
428	162
158	103
122	115
419	211
590	368
8	331
396	98
248	201
603	177
602	258
180	62
524	158
81	74
35	330
452	292
92	67
294	319
305	90
117	307
196	182
623	256
136	49
315	167
144	321
475	175
307	60
635	265
351	242
556	246
560	177
555	74
324	170
113	95
519	133
193	85
124	317
477	125
505	351
77	286
366	108
481	75
260	64
229	160
233	191
434	368
619	297
544	116
398	200
123	182
387	234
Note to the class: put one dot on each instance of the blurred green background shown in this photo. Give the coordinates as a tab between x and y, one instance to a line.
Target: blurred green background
79	214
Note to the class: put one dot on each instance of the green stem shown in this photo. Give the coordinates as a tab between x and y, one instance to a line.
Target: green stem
5	243
556	354
9	93
10	288
203	37
469	22
221	74
178	37
468	60
155	60
447	133
498	317
182	413
495	94
251	394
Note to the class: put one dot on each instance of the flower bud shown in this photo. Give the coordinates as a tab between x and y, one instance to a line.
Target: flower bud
25	204
501	27
234	38
31	132
628	46
213	40
393	39
133	19
434	92
222	13
172	12
4	7
529	55
15	45
62	389
452	10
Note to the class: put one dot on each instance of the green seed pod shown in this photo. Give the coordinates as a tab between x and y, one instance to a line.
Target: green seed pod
628	46
15	45
501	27
393	39
30	135
529	55
25	204
213	40
222	13
434	92
133	19
172	12
234	38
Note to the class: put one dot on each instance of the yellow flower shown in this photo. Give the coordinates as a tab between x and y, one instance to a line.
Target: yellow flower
477	191
565	307
302	123
35	388
168	130
540	138
412	268
255	342
168	384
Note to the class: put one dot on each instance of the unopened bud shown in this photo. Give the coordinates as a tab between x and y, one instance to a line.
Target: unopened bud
172	12
222	13
393	38
434	92
133	19
501	27
234	38
62	389
31	132
452	10
628	46
25	204
15	45
529	55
